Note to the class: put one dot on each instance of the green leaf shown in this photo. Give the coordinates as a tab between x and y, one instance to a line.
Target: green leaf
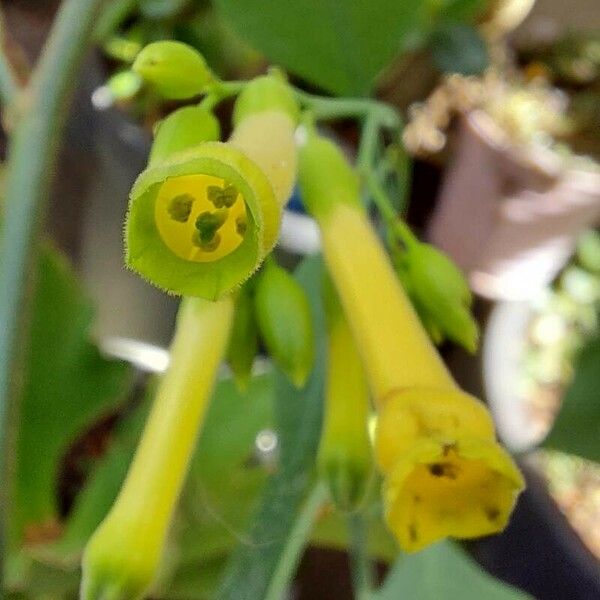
339	46
69	385
462	10
298	424
458	48
577	427
443	571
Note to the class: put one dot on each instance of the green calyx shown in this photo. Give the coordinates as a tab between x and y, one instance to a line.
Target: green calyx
174	70
266	93
325	177
184	128
152	255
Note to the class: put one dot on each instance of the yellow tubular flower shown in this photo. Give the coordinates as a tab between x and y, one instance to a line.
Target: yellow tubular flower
345	458
202	218
445	474
122	557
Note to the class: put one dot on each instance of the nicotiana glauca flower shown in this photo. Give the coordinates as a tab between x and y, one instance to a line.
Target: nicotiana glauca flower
445	474
122	556
284	320
173	69
345	457
202	219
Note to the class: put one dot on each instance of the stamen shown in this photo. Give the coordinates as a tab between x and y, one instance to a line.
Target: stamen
208	246
208	223
222	197
241	224
180	207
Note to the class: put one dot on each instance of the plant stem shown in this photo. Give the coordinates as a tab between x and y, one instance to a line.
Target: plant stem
296	542
363	576
9	86
340	108
32	157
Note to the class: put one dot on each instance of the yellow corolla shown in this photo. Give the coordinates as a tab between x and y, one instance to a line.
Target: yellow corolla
445	475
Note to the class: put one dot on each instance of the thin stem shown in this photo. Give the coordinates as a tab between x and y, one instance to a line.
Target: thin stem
363	575
380	198
296	542
9	86
221	91
32	157
340	108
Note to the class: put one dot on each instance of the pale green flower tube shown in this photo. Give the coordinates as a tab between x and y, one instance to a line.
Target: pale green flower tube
122	557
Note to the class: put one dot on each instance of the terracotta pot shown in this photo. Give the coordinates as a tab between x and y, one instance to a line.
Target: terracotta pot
510	216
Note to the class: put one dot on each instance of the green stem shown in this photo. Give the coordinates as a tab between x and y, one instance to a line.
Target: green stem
221	91
296	542
32	157
363	575
9	87
341	108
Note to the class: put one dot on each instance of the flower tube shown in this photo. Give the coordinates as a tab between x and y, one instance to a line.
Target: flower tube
122	556
202	219
345	458
445	474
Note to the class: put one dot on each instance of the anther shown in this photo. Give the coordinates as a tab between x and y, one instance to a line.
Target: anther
222	197
209	245
241	225
180	207
208	223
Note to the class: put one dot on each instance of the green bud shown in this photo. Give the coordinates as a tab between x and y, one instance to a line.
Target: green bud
284	321
184	128
345	458
326	178
265	93
441	295
175	70
124	85
243	344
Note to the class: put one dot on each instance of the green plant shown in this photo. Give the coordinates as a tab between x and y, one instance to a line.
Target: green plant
199	513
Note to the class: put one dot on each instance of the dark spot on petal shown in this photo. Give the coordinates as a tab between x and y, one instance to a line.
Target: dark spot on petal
412	532
417	499
443	470
492	513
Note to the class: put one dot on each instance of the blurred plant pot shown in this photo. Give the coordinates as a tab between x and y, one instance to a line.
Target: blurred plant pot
539	551
509	216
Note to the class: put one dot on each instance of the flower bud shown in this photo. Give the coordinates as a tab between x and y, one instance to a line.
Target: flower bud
174	70
345	458
184	128
243	344
201	220
440	294
284	321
